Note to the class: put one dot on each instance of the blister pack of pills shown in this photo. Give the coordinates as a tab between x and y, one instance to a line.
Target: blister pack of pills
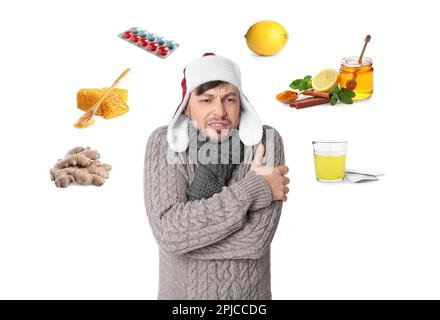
157	45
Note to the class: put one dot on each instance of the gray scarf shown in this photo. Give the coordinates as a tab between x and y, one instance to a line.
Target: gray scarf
215	163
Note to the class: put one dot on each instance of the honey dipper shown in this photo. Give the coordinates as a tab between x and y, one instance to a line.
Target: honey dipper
367	39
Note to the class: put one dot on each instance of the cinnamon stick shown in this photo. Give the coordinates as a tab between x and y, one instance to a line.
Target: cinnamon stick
308	102
315	93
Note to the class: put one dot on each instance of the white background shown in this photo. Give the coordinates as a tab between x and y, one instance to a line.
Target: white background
335	241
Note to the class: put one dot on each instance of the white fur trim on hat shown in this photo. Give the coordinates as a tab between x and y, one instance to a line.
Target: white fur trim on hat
212	68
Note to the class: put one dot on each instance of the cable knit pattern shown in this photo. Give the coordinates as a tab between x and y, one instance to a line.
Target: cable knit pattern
215	248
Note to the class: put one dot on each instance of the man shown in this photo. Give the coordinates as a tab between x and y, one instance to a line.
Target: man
214	220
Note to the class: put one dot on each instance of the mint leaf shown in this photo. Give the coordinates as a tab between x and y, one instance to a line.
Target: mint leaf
334	99
334	90
348	92
308	82
302	84
296	83
346	95
345	98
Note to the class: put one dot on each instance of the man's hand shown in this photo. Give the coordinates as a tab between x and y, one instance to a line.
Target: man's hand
274	176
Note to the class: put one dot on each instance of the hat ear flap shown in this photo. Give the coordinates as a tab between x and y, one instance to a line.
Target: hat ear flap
178	135
250	126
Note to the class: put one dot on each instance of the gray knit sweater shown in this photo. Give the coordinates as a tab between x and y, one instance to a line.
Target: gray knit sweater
216	248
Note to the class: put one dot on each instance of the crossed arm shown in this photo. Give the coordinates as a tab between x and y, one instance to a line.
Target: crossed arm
237	223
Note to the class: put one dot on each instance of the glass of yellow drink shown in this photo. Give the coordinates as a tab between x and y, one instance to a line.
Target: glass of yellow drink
330	160
361	74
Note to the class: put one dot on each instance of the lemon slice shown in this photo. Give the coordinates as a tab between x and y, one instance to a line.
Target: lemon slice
325	79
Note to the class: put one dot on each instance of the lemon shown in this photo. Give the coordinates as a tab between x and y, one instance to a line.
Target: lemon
266	38
325	79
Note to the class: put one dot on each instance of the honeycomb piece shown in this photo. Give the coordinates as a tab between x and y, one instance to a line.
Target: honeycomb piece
114	107
115	104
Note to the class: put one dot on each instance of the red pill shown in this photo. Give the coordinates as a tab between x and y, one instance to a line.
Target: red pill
152	46
135	38
163	50
144	42
127	34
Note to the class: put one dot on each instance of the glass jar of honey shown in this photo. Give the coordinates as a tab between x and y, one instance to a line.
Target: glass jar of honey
359	76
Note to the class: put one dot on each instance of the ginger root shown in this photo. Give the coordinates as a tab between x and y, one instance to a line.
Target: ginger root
80	165
78	156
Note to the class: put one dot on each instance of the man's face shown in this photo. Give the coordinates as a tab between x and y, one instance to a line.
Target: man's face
215	111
